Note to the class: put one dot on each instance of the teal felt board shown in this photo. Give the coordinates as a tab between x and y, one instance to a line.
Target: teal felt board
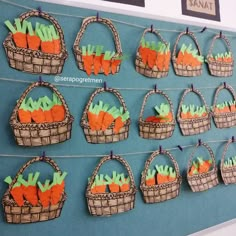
188	213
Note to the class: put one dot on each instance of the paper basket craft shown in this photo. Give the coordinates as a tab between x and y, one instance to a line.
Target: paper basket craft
224	114
37	130
204	180
107	133
191	65
154	192
194	124
221	65
35	60
228	167
153	59
159	127
20	207
107	204
93	60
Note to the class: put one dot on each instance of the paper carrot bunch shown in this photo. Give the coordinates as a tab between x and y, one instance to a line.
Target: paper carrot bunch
150	177
96	61
189	57
200	166
225	107
35	192
221	57
44	37
43	110
165	174
155	54
192	111
116	183
164	114
101	117
230	162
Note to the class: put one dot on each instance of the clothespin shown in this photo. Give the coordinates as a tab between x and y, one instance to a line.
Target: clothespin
220	34
224	84
105	86
199	142
232	139
160	149
97	16
180	148
40	79
155	88
43	155
111	154
204	29
151	28
187	30
192	88
39	10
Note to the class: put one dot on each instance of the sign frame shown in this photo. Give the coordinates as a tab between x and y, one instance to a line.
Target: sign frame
207	16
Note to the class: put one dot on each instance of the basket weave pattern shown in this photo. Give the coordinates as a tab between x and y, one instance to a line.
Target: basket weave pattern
107	136
228	174
195	125
218	68
227	119
36	62
184	70
203	181
145	69
38	134
152	130
28	213
107	204
160	192
77	49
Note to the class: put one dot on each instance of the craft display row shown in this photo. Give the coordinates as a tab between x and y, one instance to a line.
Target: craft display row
42	50
29	201
48	120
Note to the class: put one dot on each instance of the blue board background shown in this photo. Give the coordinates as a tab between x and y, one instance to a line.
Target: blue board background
188	213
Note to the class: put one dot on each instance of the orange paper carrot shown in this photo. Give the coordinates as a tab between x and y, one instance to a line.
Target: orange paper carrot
44	193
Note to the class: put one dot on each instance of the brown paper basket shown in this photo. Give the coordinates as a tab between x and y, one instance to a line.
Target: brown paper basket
107	136
152	130
39	134
203	181
36	62
226	119
77	49
27	213
107	204
145	69
195	125
160	192
228	174
183	70
217	68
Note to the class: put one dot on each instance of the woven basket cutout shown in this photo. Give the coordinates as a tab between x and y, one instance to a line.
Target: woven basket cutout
160	192
203	181
78	51
107	136
107	204
40	134
228	174
145	69
217	68
152	130
27	213
195	125
183	70
227	119
36	62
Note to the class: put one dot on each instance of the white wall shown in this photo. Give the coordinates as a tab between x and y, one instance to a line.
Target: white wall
168	10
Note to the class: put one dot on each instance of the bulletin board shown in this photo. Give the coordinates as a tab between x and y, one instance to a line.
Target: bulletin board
186	214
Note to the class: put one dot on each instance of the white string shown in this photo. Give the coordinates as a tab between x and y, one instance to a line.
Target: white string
95	87
114	20
119	154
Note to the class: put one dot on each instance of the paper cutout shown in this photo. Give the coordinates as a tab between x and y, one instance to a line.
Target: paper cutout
44	38
191	111
189	57
201	166
44	193
153	54
165	174
95	60
221	57
150	177
225	107
43	110
100	117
